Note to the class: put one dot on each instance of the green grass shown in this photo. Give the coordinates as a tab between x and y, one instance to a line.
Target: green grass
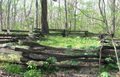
55	41
75	42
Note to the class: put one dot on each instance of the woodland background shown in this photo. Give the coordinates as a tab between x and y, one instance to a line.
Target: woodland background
99	16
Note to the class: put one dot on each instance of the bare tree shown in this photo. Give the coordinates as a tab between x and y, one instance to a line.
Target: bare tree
75	15
1	25
104	16
50	13
8	15
24	9
25	13
36	15
15	11
65	14
59	22
113	16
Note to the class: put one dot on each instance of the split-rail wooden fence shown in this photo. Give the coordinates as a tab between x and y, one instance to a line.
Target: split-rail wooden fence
37	53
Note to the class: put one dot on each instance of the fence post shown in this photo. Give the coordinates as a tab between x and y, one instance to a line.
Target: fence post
31	36
86	33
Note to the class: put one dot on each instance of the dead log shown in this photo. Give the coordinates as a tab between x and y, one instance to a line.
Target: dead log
32	44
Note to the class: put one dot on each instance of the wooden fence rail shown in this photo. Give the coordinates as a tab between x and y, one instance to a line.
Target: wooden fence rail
4	38
36	53
39	52
62	32
24	31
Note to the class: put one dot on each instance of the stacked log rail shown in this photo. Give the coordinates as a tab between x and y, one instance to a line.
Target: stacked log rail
65	32
109	51
4	30
78	32
37	53
14	37
68	33
117	41
23	31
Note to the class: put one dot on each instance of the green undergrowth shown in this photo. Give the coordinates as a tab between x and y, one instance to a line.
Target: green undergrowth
74	42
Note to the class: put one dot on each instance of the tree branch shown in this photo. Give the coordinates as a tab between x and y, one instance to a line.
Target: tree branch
85	14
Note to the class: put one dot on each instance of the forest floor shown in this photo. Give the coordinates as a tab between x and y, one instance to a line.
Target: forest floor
82	72
77	42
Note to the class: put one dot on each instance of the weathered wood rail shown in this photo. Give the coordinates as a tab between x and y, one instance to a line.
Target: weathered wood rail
24	31
117	41
4	30
64	32
16	35
39	52
4	38
36	53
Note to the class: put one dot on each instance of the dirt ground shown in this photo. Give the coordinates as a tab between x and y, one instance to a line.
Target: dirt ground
82	72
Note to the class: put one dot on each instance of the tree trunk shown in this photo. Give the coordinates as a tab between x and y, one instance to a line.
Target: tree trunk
8	16
113	16
25	9
66	25
75	15
1	25
36	15
51	12
30	9
14	12
21	22
59	14
44	21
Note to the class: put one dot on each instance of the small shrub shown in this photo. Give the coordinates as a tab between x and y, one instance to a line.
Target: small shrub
74	63
105	74
32	73
51	60
14	69
32	65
